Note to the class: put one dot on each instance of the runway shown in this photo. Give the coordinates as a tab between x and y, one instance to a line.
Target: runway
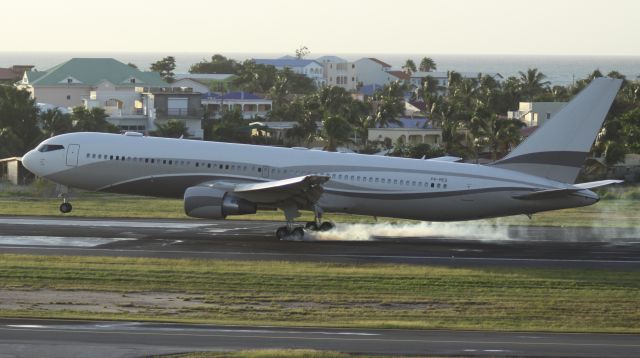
31	338
459	244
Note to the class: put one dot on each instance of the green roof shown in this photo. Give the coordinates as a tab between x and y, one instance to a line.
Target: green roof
92	71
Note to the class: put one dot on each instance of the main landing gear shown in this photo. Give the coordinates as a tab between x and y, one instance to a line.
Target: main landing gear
297	232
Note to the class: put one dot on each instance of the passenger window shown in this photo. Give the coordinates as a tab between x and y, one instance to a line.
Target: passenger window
444	186
333	176
340	176
352	178
432	185
401	182
88	155
209	165
197	164
395	181
152	160
226	166
413	183
438	185
111	157
99	156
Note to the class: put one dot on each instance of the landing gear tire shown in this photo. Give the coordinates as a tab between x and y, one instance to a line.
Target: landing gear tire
311	226
282	232
326	226
297	233
65	208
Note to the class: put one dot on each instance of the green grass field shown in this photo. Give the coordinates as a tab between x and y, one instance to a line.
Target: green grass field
609	213
343	295
618	208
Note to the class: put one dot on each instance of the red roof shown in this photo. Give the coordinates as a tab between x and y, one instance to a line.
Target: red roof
7	75
384	64
401	75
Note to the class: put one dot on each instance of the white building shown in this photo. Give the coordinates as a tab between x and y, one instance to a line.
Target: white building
309	68
250	105
339	72
93	82
536	113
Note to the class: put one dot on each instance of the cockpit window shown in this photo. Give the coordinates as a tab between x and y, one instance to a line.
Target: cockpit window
50	147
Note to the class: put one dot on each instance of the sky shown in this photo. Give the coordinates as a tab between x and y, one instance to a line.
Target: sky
515	27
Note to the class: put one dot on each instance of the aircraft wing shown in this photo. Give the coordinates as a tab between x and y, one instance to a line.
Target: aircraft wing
303	191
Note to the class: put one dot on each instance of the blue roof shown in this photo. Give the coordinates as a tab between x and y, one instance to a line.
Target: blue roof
369	90
279	62
231	95
411	123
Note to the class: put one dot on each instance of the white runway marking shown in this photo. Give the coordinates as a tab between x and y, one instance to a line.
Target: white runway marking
57	240
104	223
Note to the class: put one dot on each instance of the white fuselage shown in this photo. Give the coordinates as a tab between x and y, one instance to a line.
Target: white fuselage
359	184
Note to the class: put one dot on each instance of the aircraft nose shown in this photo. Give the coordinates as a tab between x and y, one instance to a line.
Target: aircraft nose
29	161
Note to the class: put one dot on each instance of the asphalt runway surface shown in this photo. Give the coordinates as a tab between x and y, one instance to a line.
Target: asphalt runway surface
456	244
50	338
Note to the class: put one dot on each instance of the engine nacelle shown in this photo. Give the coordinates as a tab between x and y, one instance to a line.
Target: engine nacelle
209	203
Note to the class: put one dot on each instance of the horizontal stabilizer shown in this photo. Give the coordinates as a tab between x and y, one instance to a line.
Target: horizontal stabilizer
547	194
447	158
597	184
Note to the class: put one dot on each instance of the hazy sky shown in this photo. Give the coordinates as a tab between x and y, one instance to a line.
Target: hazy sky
546	27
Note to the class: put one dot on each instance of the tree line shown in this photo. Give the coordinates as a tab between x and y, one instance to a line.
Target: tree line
470	112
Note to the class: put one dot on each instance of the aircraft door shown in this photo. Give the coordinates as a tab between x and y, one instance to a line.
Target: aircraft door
265	171
72	155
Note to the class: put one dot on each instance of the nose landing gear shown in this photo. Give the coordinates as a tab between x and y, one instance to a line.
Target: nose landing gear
65	207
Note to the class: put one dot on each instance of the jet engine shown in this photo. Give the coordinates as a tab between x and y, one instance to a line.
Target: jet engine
209	203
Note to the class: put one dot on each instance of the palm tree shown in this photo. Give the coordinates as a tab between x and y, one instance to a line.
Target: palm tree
532	83
500	135
409	66
172	129
336	131
427	64
389	105
54	122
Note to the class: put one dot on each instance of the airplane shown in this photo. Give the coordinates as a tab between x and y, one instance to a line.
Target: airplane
219	179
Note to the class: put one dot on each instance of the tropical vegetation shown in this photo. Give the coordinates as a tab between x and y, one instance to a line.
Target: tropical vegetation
469	111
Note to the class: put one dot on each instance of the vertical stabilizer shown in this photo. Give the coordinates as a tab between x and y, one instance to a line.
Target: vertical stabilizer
558	148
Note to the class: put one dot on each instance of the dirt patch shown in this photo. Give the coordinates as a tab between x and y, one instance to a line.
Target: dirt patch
92	301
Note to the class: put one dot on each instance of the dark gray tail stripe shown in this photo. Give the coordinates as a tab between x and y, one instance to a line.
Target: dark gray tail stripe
560	158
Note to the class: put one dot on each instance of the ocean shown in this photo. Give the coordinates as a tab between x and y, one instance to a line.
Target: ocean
560	70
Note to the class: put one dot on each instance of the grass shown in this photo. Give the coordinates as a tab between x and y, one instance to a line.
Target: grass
607	213
343	295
